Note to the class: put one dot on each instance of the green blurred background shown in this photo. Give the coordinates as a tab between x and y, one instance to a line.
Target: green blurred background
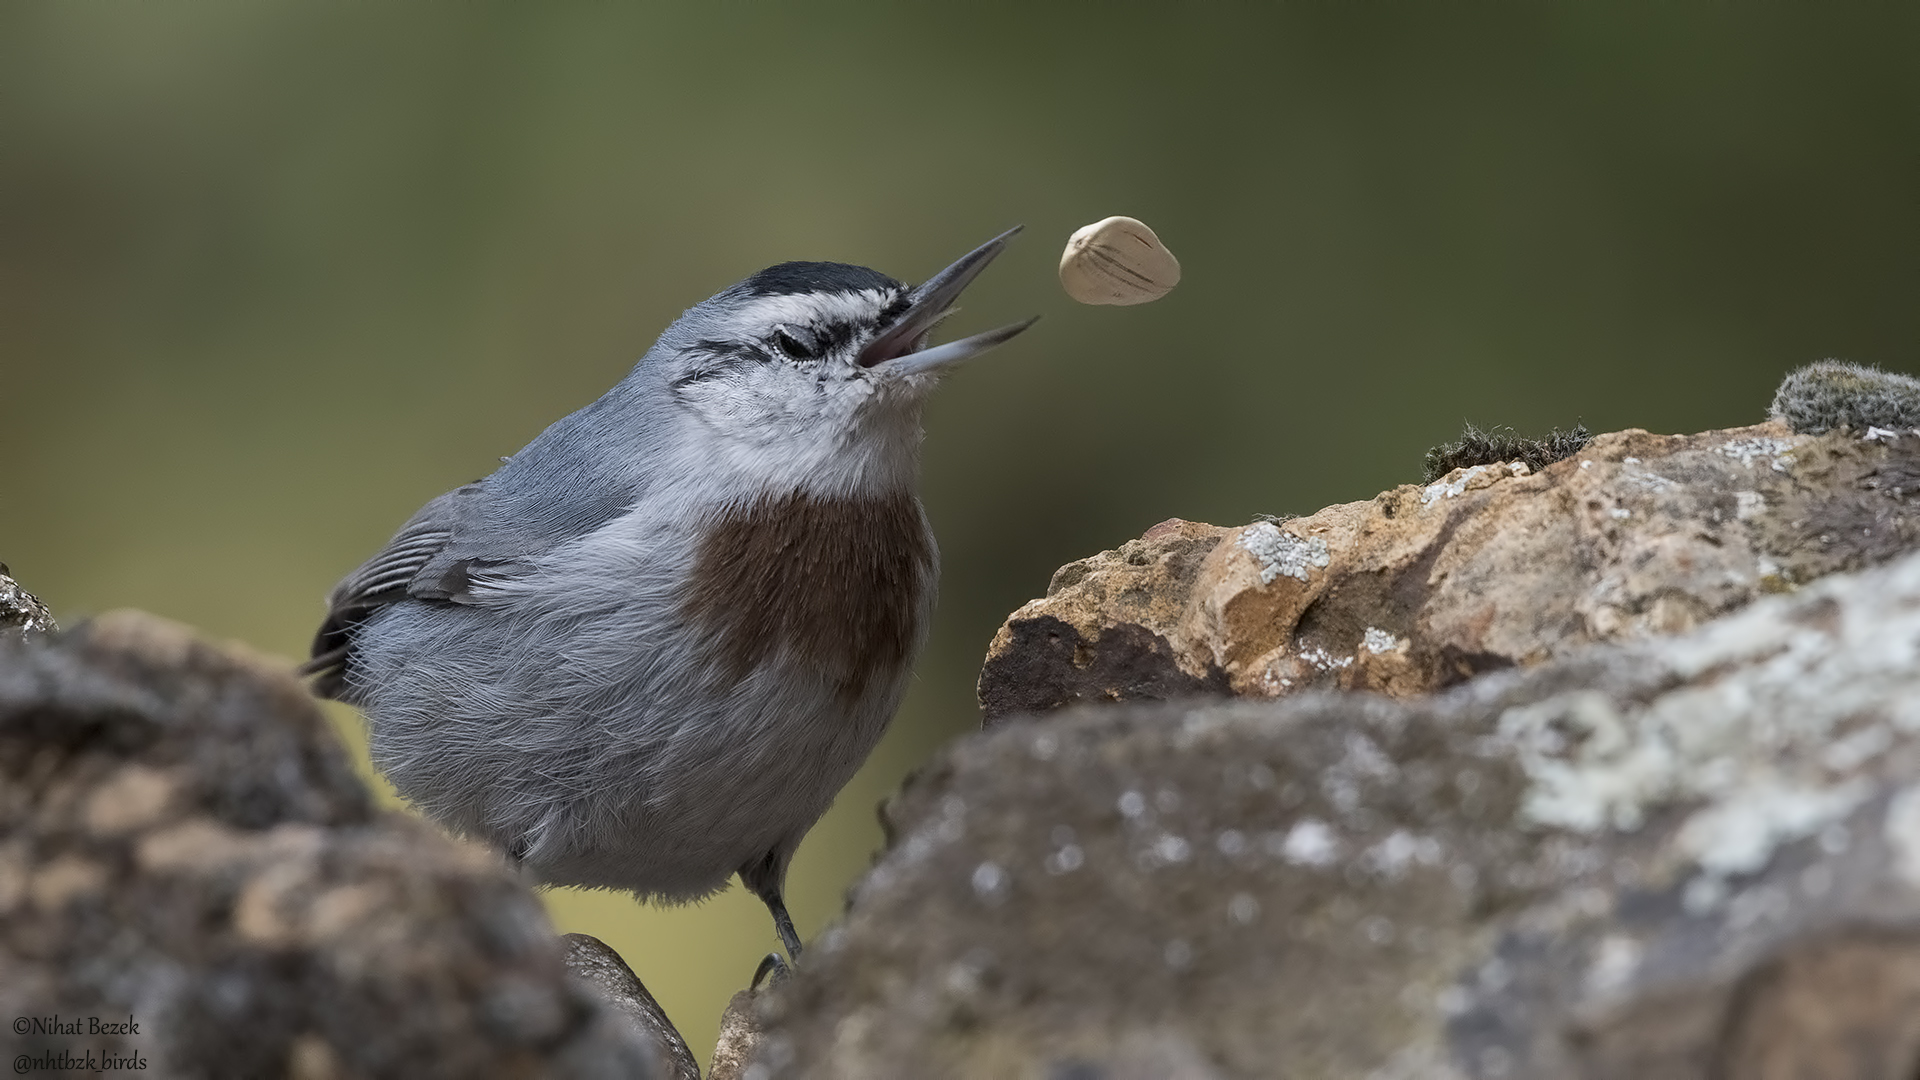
271	275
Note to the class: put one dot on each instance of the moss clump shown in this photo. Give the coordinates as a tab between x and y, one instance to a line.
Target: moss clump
1476	447
1835	394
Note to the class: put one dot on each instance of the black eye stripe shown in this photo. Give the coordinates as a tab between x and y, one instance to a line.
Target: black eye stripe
714	358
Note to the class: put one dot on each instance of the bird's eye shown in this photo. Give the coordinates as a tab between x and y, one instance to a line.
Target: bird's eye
797	342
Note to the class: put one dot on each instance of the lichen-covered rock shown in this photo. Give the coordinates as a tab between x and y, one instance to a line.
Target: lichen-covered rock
1495	566
1692	857
185	850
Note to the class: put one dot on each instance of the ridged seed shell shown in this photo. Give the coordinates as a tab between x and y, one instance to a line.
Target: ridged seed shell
1117	260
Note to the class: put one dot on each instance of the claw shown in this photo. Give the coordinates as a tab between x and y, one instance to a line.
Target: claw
773	971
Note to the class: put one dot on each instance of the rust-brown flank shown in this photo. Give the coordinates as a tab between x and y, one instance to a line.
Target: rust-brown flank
837	582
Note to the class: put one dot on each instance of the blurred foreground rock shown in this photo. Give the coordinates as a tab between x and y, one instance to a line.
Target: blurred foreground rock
1421	588
184	848
1693	857
596	963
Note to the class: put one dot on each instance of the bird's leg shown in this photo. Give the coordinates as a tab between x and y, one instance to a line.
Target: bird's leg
764	878
783	924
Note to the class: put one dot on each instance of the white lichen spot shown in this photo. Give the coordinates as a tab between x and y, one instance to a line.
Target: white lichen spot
1377	641
1324	660
1065	861
1044	746
1738	833
1882	434
1614	961
1462	481
1619	513
1639	476
1243	908
963	980
991	884
1365	757
1310	843
1393	856
1178	955
1604	784
1748	505
1132	804
1279	552
1748	451
1172	849
1902	832
1453	1001
1231	842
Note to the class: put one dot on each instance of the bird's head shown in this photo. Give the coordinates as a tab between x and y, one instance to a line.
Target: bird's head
814	364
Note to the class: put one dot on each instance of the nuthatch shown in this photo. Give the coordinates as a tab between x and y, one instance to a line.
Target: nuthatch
647	651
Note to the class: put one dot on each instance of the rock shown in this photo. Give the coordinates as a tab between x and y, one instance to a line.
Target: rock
739	1038
1106	636
1691	857
21	612
185	851
596	964
1419	589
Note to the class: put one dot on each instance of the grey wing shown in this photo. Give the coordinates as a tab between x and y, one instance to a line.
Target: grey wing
421	562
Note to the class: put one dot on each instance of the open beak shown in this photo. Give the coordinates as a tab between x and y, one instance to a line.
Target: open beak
900	346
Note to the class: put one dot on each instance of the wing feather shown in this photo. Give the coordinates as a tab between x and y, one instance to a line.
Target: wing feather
384	579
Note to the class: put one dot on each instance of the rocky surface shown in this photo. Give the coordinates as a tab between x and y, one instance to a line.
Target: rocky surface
1421	588
21	612
1682	858
185	851
600	967
733	1052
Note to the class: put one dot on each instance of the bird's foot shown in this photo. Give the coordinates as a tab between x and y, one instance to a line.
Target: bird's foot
772	971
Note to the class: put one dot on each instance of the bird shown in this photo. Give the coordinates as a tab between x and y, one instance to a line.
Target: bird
647	652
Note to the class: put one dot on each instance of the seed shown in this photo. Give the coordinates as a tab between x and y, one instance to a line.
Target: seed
1117	261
